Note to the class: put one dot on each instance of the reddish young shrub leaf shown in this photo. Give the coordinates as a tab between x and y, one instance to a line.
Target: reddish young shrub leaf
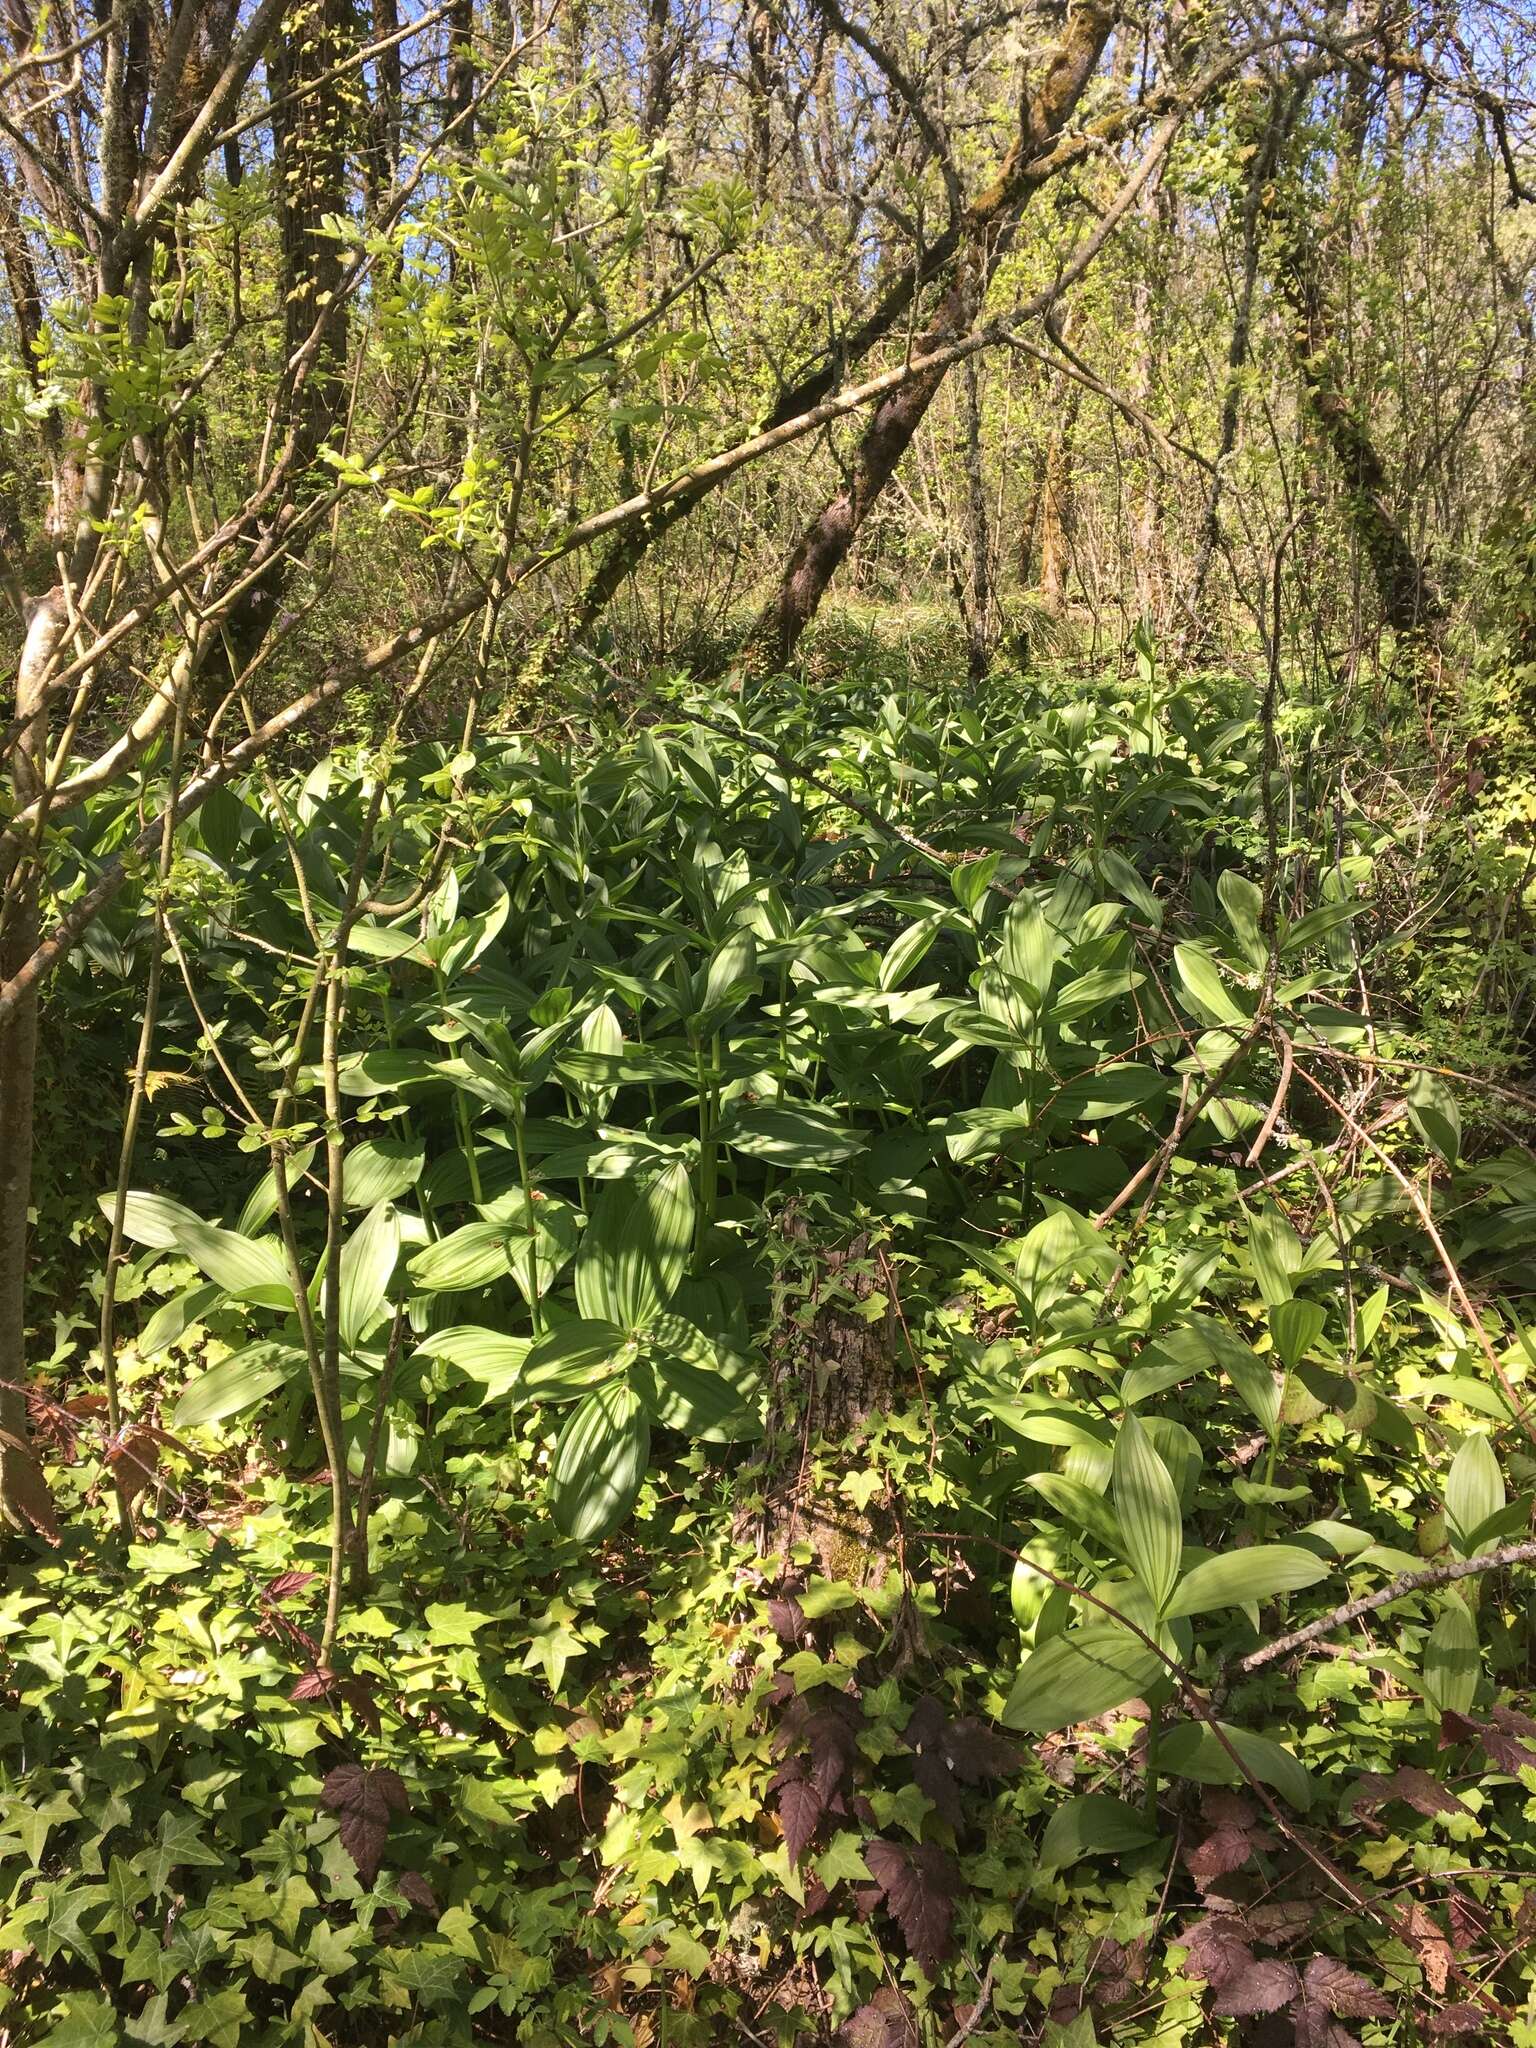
830	1741
286	1584
1225	1809
1218	1855
800	1807
133	1459
1314	2026
1218	1948
414	1886
976	1752
1431	1947
366	1800
936	1781
1263	1984
919	1882
926	1724
886	2022
1279	1921
1349	1996
1414	1787
787	1618
1459	2019
27	1489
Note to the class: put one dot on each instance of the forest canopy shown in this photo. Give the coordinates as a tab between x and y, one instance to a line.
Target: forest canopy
767	1146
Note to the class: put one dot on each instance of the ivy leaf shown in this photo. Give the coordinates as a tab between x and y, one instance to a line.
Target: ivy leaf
920	1883
88	2022
366	1800
176	1844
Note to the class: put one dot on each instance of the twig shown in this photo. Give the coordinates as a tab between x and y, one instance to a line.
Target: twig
978	2010
1397	1589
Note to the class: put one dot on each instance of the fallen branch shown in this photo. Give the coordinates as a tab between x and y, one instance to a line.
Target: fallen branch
1397	1589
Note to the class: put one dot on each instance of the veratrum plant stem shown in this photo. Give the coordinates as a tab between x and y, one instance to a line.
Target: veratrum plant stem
132	1113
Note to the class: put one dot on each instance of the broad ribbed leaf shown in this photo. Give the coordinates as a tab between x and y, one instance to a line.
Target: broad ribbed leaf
1452	1664
494	1361
236	1384
381	1170
1080	1507
367	1262
1243	1576
1474	1490
600	1462
1078	1676
1276	1255
176	1315
635	1250
1432	1107
1031	947
1147	1506
472	1256
1243	901
261	1202
1093	1825
1189	1749
1204	989
700	1402
1296	1326
791	1134
540	1238
570	1361
153	1220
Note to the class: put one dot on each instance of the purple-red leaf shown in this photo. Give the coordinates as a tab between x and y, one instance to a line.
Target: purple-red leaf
286	1584
1218	1855
919	1882
1458	2019
414	1886
1218	1948
366	1801
1314	2026
886	2022
1262	1984
787	1618
936	1781
801	1806
976	1752
1416	1788
1348	1996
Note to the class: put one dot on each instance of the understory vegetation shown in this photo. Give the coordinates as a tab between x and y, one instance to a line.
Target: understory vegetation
767	1135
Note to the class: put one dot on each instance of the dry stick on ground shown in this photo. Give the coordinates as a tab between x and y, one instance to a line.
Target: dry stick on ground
1519	1409
1198	1705
1397	1589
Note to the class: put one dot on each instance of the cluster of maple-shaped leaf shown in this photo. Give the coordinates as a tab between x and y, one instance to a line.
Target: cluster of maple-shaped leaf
817	1738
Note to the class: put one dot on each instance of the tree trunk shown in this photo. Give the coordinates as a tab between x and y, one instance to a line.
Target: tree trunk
978	587
1056	505
987	230
23	1490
